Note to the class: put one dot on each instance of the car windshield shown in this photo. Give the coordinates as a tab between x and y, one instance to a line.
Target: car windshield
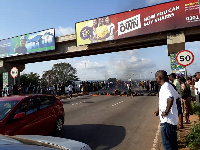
6	107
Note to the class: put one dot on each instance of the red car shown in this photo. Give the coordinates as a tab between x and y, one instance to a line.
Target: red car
31	114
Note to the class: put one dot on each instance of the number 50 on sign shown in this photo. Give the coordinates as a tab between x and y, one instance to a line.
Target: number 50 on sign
185	58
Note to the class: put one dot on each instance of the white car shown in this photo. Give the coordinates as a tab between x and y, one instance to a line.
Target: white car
37	142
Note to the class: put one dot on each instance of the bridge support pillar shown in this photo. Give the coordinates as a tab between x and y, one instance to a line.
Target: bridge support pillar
6	67
175	42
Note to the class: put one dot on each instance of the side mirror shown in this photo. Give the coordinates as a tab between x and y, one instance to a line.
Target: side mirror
19	116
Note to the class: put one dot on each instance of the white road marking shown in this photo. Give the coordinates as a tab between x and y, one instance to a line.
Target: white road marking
117	103
155	141
77	103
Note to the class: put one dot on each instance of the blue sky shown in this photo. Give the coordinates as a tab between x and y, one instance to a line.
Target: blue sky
22	17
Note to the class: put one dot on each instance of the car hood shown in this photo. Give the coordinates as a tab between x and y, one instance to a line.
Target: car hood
48	141
7	143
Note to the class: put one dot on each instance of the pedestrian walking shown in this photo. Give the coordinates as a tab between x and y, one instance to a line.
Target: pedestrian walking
70	91
167	111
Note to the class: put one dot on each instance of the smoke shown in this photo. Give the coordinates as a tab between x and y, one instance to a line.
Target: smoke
131	67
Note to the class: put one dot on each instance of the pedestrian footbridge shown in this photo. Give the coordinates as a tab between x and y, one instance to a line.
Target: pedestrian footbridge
66	47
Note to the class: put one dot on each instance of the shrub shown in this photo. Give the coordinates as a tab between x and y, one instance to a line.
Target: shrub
196	109
193	137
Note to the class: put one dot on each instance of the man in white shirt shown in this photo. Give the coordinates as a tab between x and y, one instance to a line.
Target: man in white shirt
197	87
167	111
70	91
175	81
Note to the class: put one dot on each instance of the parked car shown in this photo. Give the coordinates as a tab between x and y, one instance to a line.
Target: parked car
37	142
31	114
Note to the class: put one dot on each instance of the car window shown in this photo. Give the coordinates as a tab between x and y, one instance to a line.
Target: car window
28	107
6	107
45	101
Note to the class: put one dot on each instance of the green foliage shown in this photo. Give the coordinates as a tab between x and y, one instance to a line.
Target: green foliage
60	73
195	109
1	80
193	138
112	80
32	78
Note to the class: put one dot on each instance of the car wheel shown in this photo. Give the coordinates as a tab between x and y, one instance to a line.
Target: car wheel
59	124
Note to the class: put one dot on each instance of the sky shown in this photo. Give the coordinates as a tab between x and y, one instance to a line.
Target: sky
22	17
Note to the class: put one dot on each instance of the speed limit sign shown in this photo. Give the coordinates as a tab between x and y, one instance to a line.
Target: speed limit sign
185	58
14	72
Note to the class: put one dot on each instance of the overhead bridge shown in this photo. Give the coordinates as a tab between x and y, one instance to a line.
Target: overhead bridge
66	47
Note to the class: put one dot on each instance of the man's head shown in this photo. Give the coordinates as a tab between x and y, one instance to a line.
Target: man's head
23	40
172	77
107	20
197	75
95	23
23	43
161	77
101	21
182	80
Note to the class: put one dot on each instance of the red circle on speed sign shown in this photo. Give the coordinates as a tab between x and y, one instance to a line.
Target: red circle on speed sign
14	72
185	58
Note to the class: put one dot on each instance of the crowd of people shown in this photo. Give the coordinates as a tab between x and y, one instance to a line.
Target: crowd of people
77	87
57	89
175	96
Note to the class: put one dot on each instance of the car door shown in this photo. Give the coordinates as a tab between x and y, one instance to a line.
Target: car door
47	117
26	125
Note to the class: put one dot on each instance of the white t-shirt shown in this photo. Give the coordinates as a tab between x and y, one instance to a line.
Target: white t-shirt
70	87
197	85
167	91
111	29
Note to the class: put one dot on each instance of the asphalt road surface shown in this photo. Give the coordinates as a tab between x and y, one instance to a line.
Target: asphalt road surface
112	122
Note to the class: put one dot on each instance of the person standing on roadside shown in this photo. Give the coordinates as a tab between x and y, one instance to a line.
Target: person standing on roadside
175	81
167	111
70	91
186	103
197	87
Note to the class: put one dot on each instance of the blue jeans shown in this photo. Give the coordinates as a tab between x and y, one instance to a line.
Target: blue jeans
169	136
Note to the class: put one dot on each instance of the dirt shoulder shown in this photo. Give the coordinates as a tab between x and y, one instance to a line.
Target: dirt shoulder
183	132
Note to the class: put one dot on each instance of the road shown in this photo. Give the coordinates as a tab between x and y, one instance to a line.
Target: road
112	122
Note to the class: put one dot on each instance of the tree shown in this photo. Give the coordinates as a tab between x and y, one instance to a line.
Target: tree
112	80
60	73
32	78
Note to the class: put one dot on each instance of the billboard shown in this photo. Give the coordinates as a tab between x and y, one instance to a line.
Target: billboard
158	18
173	63
5	79
29	43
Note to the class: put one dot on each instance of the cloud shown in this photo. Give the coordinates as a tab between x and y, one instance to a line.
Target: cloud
64	31
89	70
87	64
129	52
